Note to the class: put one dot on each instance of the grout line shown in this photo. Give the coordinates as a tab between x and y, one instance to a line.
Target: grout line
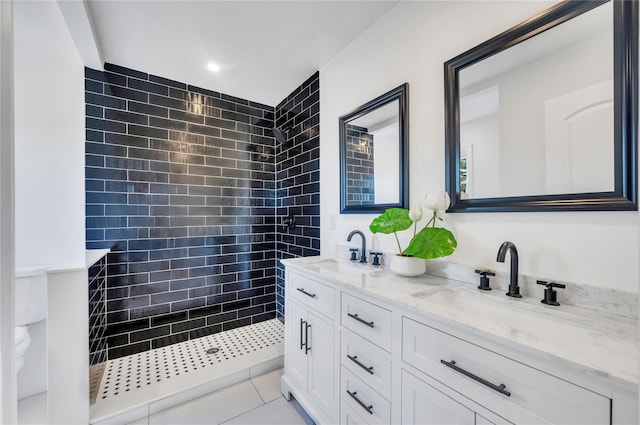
258	391
250	410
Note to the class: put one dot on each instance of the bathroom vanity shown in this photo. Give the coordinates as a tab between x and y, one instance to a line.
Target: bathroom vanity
364	346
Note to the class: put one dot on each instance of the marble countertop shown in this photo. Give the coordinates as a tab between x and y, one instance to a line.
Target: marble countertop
93	255
604	344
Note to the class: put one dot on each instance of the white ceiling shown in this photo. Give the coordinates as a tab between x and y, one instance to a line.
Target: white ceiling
265	48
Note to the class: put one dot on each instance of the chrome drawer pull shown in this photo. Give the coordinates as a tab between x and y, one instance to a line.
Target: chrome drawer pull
499	388
306	293
355	360
355	316
368	408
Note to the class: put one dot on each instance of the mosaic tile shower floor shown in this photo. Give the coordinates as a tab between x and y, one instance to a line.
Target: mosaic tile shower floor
156	380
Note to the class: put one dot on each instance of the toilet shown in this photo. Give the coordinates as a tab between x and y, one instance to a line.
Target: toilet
30	308
23	340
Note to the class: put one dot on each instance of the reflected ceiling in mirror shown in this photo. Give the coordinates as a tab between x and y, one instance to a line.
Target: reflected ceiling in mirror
373	149
543	116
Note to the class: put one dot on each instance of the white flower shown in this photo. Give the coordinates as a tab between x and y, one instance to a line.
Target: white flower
415	213
437	200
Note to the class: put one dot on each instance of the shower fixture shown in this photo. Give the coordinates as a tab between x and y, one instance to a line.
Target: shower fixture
279	134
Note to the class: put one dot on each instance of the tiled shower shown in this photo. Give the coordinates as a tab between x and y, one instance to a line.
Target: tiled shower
298	177
360	172
188	188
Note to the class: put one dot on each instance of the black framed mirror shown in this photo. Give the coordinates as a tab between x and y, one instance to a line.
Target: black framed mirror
374	154
544	116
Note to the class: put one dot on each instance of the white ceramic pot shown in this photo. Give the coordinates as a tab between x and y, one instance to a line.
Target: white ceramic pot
407	266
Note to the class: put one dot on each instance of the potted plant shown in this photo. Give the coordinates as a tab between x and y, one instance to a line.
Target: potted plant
430	242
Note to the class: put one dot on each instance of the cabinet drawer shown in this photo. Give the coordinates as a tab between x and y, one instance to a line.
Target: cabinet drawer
367	320
312	293
367	361
534	396
370	405
348	416
425	405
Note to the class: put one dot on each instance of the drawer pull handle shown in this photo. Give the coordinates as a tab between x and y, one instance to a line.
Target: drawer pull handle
499	388
355	360
354	396
306	338
306	293
355	316
302	343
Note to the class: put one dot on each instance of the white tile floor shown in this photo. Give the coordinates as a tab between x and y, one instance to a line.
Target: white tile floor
33	410
254	401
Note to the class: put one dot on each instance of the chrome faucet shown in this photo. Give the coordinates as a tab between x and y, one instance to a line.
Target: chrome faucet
514	289
363	251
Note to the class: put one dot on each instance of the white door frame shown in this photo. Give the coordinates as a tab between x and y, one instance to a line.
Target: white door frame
8	400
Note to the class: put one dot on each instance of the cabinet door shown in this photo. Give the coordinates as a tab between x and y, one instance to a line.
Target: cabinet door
322	364
483	421
423	404
296	364
349	417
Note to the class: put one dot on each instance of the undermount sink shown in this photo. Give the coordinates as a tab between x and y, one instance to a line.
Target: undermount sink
341	268
495	310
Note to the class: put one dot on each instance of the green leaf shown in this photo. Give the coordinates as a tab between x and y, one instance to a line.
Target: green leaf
393	220
432	242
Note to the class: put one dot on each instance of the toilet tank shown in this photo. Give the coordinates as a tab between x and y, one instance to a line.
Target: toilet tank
31	294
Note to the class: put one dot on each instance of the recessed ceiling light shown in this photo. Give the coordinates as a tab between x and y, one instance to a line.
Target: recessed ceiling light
213	67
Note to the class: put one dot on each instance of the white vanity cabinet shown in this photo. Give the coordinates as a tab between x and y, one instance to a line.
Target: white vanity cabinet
365	357
310	346
520	393
423	404
356	358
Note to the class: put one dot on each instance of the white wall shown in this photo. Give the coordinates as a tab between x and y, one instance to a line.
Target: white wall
386	164
49	134
410	44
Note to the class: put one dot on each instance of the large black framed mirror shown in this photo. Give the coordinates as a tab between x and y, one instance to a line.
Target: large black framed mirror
374	154
544	116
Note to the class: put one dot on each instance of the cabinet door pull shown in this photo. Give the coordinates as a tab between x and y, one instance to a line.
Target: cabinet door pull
499	388
355	360
355	316
306	293
354	396
306	338
302	344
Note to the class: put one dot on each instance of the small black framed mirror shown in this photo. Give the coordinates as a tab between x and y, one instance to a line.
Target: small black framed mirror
374	154
544	116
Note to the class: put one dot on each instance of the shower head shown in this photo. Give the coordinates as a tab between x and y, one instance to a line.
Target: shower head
279	135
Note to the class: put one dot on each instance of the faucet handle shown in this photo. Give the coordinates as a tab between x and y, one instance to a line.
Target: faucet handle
484	279
550	294
376	258
354	254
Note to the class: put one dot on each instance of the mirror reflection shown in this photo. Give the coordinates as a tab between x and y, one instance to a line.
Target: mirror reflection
537	119
373	149
543	117
373	157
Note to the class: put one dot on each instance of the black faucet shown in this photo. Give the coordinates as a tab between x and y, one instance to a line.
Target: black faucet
514	289
363	251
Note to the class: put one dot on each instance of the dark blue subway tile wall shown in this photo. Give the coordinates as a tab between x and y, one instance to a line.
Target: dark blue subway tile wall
360	168
298	177
181	185
97	313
